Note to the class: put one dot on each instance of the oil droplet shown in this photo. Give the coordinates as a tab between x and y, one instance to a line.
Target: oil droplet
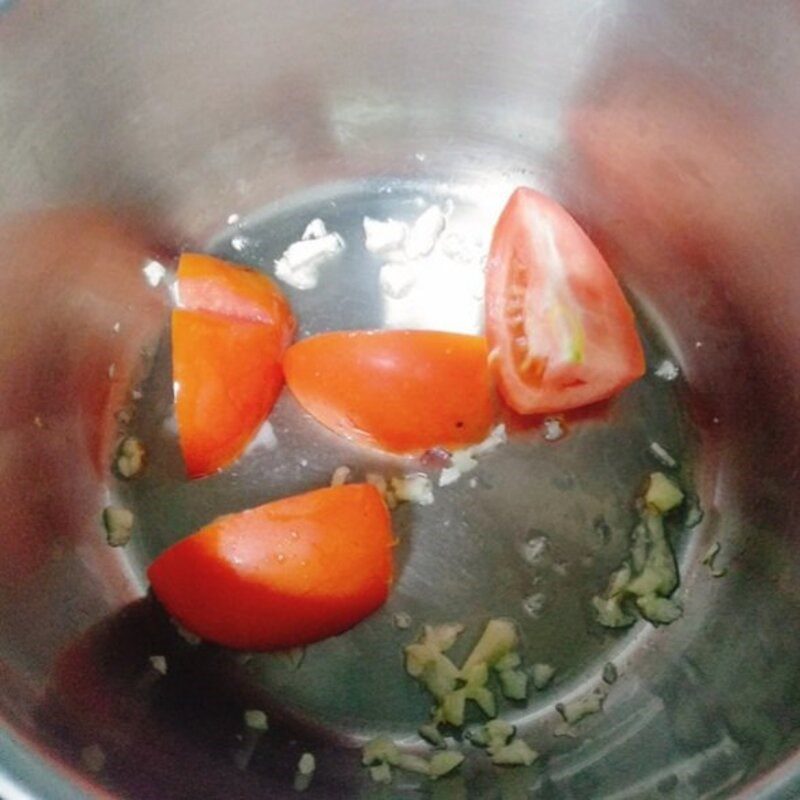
553	429
667	370
560	568
533	605
602	530
534	548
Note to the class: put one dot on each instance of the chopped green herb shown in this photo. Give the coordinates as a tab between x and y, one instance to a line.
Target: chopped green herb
516	754
576	710
662	493
307	764
514	684
292	658
477	735
118	523
381	754
509	661
379	750
93	757
256	719
610	612
411	763
658	610
709	559
443	763
431	734
542	674
646	581
499	733
694	513
381	773
401	620
499	638
305	772
130	457
159	664
610	673
453	705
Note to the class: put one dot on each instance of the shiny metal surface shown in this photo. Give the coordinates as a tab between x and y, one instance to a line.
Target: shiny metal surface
133	131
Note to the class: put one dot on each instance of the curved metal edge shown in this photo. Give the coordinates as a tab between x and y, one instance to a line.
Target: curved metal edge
780	783
24	775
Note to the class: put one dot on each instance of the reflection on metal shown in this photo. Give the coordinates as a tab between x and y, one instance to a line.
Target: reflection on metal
670	132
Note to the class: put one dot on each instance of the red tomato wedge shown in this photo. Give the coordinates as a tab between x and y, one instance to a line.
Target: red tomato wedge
561	331
284	574
401	391
228	340
227	375
209	284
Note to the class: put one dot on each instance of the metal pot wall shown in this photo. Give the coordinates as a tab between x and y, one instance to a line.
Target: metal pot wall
134	130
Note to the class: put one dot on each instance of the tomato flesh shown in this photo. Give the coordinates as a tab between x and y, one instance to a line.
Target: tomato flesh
562	334
209	284
401	391
227	376
284	574
228	339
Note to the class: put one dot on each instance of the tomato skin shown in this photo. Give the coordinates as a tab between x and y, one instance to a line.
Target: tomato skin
228	338
562	334
210	284
284	574
228	376
401	391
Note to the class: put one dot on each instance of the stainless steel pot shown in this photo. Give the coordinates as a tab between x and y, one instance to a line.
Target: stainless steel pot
131	131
